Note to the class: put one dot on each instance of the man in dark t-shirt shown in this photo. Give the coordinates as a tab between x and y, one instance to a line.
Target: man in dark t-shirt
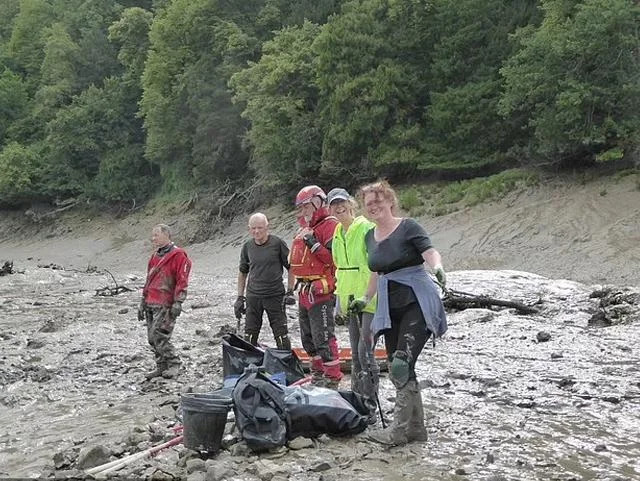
262	260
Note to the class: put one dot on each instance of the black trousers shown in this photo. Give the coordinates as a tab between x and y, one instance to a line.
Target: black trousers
408	334
256	306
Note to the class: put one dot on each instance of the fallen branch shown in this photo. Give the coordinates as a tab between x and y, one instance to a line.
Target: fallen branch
462	300
111	291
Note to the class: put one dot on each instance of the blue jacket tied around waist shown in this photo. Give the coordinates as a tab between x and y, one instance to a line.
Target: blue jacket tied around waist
426	292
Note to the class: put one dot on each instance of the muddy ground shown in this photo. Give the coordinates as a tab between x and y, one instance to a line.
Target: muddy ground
554	395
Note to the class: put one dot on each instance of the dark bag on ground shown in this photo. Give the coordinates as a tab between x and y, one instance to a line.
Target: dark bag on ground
283	360
314	411
260	410
238	354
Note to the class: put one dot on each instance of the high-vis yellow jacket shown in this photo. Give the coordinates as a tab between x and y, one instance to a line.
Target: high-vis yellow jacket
350	257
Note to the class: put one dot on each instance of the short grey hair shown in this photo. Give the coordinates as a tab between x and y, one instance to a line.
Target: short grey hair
259	216
164	228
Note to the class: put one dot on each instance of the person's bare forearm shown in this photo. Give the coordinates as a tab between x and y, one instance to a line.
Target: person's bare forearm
242	283
432	257
372	287
291	280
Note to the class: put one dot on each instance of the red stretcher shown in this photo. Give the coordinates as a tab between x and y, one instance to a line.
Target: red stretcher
345	358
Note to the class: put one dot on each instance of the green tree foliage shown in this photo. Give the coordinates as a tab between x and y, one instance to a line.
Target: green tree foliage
93	146
465	132
193	129
372	64
88	23
281	100
577	79
113	100
14	100
8	11
25	47
58	72
131	35
18	165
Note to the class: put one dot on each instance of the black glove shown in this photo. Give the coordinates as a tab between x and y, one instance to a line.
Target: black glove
141	309
440	275
356	306
239	307
311	241
176	309
339	320
289	299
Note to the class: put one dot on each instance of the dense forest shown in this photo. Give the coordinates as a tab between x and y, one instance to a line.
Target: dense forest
116	101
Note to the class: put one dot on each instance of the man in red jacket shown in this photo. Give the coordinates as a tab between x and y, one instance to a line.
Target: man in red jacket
312	265
162	298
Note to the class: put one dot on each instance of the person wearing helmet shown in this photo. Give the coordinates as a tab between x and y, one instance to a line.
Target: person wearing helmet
352	278
314	272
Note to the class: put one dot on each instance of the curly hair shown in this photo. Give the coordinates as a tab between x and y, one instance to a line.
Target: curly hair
381	189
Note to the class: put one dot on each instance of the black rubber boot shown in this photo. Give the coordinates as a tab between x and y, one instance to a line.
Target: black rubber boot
251	337
283	342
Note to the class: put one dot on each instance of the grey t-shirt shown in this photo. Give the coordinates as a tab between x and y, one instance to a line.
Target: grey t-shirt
264	265
403	248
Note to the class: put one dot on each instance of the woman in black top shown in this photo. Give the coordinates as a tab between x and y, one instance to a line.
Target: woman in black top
409	307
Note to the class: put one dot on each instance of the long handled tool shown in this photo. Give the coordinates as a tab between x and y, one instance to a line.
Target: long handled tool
369	357
122	462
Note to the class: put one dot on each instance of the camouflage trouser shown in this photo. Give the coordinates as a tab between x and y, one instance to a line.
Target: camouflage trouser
160	326
317	328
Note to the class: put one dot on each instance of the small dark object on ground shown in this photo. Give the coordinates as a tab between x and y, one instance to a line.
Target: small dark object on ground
543	336
51	265
7	268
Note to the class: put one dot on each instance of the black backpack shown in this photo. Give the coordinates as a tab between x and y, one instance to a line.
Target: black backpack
260	410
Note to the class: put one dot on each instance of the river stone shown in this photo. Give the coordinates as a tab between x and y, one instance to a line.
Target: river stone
267	470
62	459
160	475
218	473
199	476
35	343
300	443
322	466
93	456
196	464
239	449
200	305
543	336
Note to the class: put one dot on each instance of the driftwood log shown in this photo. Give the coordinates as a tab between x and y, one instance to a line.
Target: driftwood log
463	300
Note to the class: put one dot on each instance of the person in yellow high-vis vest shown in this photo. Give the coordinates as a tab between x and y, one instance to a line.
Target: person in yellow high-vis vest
352	278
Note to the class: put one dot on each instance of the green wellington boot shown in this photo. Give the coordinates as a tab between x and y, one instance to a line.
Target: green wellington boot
397	432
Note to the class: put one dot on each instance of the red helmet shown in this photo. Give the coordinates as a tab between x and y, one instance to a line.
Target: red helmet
308	193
